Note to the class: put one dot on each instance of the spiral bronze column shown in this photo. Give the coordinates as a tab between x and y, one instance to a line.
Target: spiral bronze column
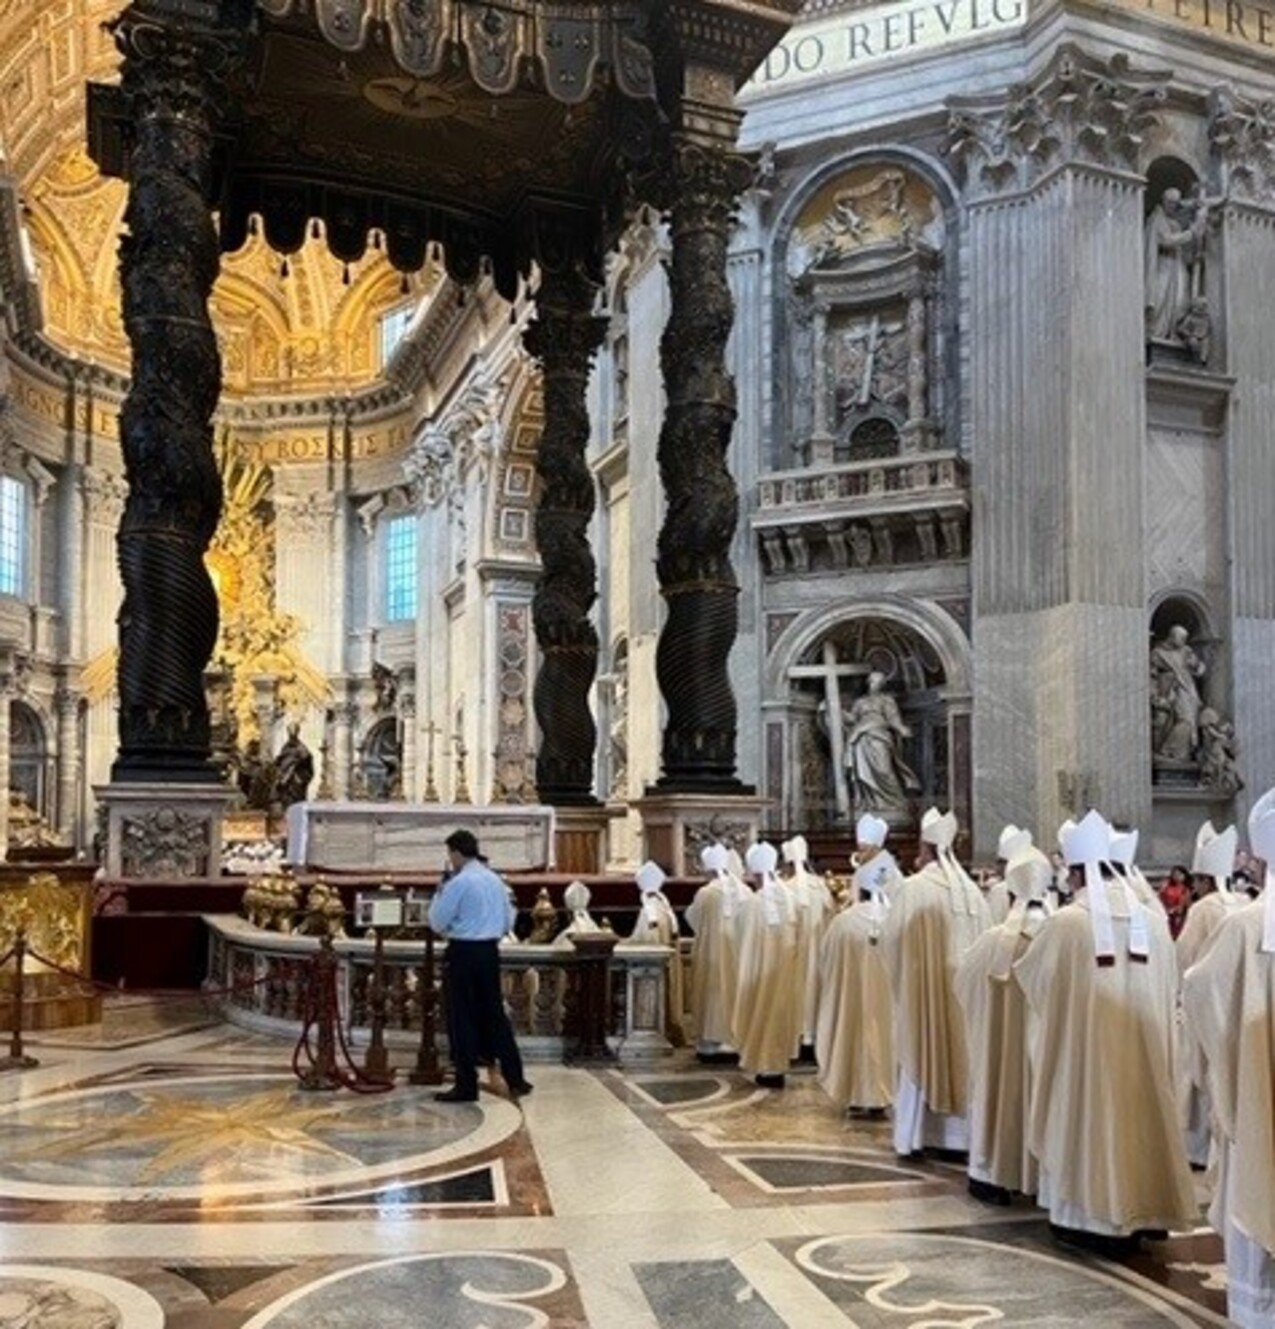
172	76
563	337
694	567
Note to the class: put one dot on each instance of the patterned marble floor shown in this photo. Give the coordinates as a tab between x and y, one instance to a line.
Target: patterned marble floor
161	1171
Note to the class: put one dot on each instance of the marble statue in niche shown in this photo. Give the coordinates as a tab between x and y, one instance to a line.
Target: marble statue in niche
1219	752
1177	307
294	769
880	780
1192	742
618	731
1175	698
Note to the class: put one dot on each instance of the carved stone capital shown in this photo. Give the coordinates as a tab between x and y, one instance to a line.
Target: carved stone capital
104	495
1242	135
304	517
468	436
1080	109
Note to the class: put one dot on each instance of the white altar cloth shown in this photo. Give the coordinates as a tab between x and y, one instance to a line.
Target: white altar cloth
408	837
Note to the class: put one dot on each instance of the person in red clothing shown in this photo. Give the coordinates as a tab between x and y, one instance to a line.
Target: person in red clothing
1175	896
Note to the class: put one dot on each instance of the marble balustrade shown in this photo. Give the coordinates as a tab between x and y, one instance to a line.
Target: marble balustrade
268	972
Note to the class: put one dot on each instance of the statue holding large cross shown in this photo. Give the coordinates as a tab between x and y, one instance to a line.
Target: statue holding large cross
868	770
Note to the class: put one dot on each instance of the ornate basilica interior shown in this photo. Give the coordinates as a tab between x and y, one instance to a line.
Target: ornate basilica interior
621	427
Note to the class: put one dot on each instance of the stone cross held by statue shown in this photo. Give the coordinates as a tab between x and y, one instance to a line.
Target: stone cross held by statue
832	671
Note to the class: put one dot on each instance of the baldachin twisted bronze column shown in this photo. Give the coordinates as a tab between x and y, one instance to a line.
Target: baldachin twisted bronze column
172	75
695	573
563	337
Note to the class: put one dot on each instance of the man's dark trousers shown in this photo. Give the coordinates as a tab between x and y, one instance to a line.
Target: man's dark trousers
477	1026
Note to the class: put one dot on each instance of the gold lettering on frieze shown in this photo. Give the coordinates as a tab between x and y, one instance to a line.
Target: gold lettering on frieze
42	402
279	449
1242	22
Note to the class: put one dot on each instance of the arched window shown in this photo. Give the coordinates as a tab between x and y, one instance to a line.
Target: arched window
13	535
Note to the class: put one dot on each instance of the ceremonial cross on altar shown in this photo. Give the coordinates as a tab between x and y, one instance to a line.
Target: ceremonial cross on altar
832	671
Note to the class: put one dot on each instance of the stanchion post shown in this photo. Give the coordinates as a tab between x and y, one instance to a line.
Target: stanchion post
592	997
428	1070
17	1060
376	1064
322	1075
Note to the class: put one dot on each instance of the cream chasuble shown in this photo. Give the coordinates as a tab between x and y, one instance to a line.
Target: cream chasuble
714	918
767	1015
932	923
998	901
1103	1123
814	908
1229	1002
1000	1076
854	1039
1194	1109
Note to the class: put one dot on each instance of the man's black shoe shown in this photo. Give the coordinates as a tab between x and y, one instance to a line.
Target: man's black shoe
520	1090
989	1193
456	1096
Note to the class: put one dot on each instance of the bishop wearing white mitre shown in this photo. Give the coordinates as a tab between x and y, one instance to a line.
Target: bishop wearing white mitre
657	926
814	908
1229	1000
1000	1162
714	917
1101	981
767	1016
1211	866
935	917
854	1036
996	891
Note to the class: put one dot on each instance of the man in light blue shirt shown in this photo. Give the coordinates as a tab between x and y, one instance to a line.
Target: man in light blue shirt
473	909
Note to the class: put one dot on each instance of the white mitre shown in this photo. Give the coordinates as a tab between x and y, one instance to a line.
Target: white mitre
939	829
1012	842
796	851
871	831
1028	875
734	864
1215	854
1124	850
1261	839
577	897
650	877
762	859
776	901
1086	844
714	858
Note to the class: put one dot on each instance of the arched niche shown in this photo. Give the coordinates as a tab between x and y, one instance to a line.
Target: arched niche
28	756
924	658
381	760
860	263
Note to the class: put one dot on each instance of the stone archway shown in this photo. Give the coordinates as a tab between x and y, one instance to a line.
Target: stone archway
924	658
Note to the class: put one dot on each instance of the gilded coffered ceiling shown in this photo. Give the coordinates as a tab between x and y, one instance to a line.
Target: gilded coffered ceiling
313	330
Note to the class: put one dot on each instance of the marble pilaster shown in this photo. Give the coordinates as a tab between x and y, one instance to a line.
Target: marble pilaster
1244	140
70	763
1059	414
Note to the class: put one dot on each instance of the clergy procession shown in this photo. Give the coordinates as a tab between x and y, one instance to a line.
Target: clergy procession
1042	1022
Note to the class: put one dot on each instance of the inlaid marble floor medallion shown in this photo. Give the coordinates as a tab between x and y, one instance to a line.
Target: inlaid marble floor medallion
187	1183
885	1282
47	1297
254	1142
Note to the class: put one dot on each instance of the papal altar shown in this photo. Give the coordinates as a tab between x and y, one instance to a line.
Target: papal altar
410	836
